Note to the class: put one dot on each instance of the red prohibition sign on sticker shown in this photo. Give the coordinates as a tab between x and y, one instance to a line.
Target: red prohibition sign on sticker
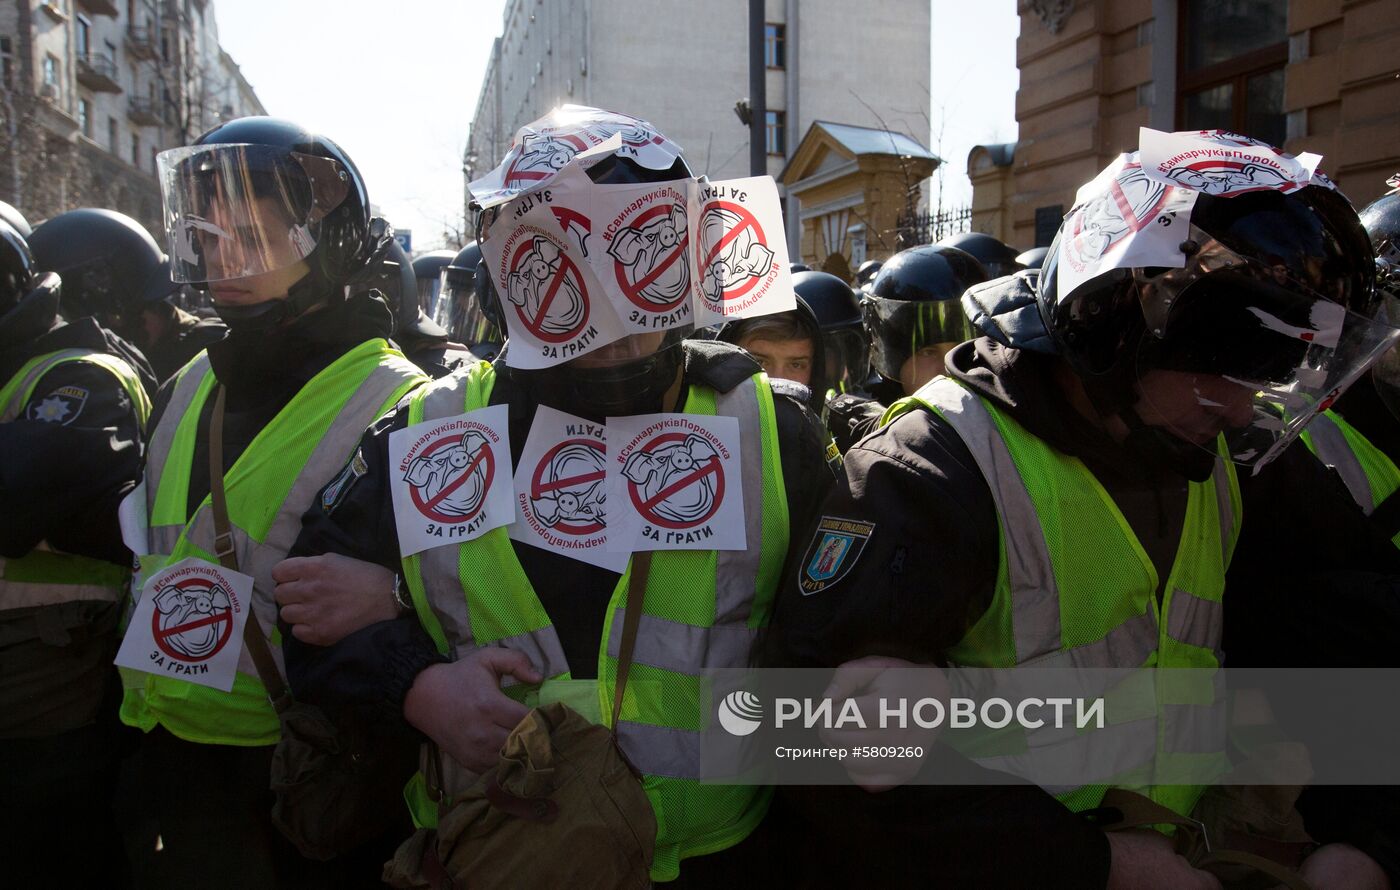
566	217
647	507
483	458
566	272
221	621
747	221
634	292
542	157
540	488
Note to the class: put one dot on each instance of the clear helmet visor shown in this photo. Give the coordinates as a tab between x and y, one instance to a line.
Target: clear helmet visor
458	310
235	211
899	329
846	358
1241	350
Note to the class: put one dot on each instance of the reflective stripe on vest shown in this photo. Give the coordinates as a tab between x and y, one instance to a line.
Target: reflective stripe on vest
1074	586
45	577
1370	475
703	610
269	487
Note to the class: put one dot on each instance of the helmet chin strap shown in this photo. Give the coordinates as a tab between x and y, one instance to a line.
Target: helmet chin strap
308	292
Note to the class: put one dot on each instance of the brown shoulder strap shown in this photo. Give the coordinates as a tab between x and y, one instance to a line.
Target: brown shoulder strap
631	620
253	638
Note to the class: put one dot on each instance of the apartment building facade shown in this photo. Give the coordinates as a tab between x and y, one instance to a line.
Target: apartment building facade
684	66
92	90
1311	75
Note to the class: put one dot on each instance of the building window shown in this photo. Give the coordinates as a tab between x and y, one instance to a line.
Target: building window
1232	54
775	45
135	149
775	133
7	63
85	117
84	36
112	134
51	71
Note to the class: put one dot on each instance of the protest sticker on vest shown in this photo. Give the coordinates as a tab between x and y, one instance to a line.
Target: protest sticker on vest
1225	164
1123	219
553	305
561	490
644	257
674	483
741	259
451	479
836	546
188	624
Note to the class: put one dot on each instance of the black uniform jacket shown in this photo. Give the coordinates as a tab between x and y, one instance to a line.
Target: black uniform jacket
74	451
928	571
366	675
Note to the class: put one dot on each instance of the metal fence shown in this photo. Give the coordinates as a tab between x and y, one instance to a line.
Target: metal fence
926	228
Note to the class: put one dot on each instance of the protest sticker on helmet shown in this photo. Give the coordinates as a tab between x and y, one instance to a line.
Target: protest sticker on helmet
641	249
553	305
741	259
561	490
451	479
1224	164
188	624
674	483
543	148
1122	219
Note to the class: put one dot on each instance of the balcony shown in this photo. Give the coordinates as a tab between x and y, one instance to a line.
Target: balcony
142	43
100	7
98	73
145	111
54	10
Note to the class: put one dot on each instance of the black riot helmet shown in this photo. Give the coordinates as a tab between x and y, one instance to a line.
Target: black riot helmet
1033	258
912	310
110	265
15	219
466	305
845	351
393	277
631	374
28	297
997	258
866	273
427	271
1381	219
260	207
1272	313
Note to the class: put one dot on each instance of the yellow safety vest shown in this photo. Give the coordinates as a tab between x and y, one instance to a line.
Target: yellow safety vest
269	487
702	610
1075	588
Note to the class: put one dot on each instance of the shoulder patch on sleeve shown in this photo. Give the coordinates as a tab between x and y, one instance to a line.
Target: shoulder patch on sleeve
62	406
335	492
791	388
836	546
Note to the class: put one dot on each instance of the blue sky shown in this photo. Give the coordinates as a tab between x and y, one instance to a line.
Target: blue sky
398	92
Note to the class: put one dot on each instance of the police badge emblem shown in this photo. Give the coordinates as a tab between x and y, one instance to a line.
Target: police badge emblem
836	545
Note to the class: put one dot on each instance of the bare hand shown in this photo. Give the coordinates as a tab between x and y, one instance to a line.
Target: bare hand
1343	867
461	707
1146	860
866	681
328	597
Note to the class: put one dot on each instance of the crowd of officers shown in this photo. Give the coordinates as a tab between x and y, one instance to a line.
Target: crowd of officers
110	353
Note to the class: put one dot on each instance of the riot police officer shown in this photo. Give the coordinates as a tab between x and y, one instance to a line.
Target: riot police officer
467	305
997	258
274	222
72	416
912	318
1114	430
